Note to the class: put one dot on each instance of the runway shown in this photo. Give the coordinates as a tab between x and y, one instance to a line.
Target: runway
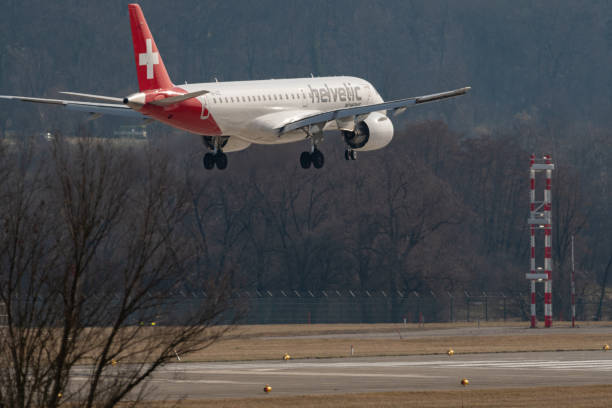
376	374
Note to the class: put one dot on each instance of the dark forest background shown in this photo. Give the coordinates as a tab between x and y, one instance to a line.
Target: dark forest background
443	209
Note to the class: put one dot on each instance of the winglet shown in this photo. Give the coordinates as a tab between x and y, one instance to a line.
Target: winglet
442	95
150	68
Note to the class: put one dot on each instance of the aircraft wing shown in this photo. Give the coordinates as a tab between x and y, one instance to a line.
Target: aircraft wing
398	106
89	107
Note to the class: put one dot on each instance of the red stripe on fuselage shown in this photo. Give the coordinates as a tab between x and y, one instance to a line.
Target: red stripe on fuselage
186	115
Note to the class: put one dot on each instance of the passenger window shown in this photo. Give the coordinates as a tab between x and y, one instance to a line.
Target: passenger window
287	96
292	96
226	100
243	99
214	100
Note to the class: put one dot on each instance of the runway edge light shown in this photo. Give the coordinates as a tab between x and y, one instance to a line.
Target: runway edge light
464	382
267	388
606	347
450	352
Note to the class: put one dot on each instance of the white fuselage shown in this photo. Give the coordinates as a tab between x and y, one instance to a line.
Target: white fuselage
252	110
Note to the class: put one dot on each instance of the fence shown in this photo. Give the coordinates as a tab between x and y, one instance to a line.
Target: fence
350	306
3	315
378	307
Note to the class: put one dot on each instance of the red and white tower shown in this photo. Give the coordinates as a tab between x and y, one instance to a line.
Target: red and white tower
540	218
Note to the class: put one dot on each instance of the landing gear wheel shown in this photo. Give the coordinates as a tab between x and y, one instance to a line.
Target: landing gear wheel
208	161
221	160
317	159
305	160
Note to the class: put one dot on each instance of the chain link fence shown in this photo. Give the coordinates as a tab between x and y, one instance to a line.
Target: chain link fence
3	315
351	306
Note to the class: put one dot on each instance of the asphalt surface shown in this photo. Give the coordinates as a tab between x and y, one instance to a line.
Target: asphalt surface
375	374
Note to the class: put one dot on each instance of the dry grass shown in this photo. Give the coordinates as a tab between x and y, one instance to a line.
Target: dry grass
267	342
265	349
322	329
270	342
576	397
295	330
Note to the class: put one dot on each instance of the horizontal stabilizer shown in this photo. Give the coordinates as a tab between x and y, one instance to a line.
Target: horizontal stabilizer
178	98
90	96
89	107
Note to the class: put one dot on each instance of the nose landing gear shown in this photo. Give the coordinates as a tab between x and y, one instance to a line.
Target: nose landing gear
350	154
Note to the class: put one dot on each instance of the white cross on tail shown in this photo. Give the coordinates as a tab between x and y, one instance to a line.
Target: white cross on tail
149	58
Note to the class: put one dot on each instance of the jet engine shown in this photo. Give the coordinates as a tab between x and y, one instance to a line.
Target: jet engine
227	144
373	133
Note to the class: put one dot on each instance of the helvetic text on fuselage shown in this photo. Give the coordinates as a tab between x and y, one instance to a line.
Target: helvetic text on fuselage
344	93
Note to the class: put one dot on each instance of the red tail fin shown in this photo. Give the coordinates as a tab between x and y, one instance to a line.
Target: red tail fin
150	68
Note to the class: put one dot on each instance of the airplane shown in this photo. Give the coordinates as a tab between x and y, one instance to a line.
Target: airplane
230	116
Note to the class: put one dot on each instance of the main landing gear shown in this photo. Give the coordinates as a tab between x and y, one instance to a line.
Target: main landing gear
315	158
350	154
217	157
211	159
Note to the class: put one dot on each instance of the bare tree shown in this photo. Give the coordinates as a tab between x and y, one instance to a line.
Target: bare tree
90	247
